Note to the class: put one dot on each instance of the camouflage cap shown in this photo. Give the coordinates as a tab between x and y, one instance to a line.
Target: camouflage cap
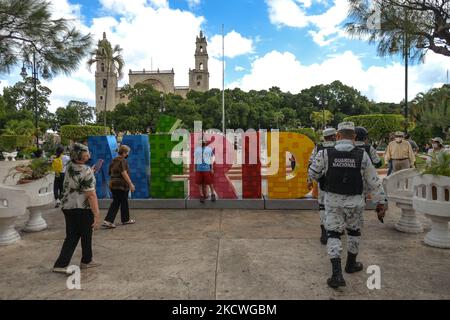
346	126
76	150
329	132
438	139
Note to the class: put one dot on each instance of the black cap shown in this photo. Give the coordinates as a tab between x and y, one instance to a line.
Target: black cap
361	133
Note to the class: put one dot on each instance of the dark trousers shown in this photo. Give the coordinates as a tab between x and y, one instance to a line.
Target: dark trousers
78	225
120	199
58	186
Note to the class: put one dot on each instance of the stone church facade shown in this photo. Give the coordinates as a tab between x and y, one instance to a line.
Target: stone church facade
162	80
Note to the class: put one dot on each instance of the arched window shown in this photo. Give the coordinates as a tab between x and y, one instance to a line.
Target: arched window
198	84
105	83
102	67
101	97
201	66
201	49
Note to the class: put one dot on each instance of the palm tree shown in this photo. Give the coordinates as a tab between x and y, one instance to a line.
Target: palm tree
114	63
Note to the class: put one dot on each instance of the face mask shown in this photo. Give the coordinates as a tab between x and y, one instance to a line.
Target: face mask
398	140
435	145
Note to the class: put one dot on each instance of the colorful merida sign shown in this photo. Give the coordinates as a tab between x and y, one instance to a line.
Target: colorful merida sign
154	160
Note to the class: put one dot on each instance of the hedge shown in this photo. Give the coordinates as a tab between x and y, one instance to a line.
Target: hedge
379	126
12	142
80	133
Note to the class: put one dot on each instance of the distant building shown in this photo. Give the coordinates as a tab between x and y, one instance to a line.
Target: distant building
161	80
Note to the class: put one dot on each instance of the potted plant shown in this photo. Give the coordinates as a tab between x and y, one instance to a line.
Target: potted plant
431	196
36	179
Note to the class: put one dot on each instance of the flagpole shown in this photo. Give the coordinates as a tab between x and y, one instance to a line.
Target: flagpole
223	80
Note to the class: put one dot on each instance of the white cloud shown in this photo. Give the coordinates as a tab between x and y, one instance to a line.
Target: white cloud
294	13
147	30
378	83
235	45
194	3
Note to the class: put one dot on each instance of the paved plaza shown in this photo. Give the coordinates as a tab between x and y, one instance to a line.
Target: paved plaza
223	254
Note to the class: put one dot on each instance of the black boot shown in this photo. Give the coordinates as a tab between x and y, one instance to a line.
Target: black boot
336	280
323	237
352	266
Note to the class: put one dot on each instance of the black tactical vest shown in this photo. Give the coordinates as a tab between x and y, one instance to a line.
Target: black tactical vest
344	172
322	180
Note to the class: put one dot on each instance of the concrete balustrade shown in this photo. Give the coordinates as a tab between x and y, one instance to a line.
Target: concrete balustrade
399	189
40	195
10	156
13	203
431	197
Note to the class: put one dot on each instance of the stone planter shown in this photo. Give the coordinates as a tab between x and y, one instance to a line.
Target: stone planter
40	195
431	197
399	189
12	205
9	156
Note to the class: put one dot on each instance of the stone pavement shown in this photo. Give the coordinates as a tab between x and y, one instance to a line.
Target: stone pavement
223	254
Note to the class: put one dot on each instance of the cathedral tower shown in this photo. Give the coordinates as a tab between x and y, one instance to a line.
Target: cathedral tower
105	84
199	77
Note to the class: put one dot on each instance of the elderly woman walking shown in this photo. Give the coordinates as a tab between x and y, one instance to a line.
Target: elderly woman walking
120	185
80	208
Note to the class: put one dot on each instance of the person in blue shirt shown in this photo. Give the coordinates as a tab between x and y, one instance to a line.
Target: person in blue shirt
204	171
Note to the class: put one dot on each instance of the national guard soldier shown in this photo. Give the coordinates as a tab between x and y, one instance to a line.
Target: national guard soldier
361	141
348	171
329	136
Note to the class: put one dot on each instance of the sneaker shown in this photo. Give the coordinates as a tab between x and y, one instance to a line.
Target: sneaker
60	270
58	203
213	197
202	200
108	225
89	265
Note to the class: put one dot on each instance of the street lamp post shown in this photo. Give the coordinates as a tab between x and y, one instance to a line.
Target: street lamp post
34	73
322	103
162	107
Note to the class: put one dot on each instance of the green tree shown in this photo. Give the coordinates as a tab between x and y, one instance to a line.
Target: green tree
397	25
27	27
113	60
432	109
76	112
19	128
320	119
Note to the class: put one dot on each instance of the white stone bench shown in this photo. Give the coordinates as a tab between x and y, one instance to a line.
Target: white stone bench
9	155
431	197
13	203
40	195
399	189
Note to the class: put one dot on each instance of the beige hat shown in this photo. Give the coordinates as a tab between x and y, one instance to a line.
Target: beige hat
329	132
346	126
438	139
399	134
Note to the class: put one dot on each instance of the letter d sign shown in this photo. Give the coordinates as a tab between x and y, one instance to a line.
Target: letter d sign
374	281
74	281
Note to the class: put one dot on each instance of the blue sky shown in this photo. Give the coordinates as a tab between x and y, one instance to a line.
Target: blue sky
293	44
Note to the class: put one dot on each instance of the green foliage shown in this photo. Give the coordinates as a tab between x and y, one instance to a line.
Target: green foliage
423	23
80	133
379	125
432	109
36	169
320	119
28	27
21	128
440	165
10	143
75	113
